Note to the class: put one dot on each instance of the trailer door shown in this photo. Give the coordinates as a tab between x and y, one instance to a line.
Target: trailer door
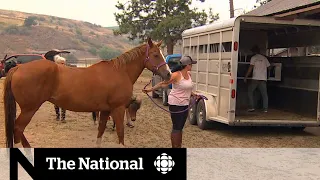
224	74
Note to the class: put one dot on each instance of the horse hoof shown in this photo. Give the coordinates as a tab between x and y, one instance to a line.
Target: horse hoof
98	143
122	146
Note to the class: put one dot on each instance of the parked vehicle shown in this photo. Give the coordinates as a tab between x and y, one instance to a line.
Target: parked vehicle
9	62
222	50
172	61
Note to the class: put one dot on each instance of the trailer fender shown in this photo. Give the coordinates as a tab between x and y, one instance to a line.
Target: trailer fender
210	105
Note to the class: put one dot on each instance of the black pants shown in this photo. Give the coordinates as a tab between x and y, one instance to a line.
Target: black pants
178	119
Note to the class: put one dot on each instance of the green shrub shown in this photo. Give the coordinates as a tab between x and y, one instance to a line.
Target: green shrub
93	51
14	29
30	21
108	53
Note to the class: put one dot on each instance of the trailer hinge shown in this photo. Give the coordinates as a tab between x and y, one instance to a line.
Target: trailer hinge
232	111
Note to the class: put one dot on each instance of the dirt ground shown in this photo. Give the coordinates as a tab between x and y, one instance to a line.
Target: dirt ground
152	129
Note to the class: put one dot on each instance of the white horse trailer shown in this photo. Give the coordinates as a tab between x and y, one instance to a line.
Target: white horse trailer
222	50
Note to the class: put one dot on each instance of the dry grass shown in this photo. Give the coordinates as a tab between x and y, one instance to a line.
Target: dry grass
53	32
11	20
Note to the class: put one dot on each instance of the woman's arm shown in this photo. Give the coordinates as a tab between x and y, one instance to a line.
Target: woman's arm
163	84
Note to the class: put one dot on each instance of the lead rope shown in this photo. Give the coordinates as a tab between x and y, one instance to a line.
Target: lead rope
189	107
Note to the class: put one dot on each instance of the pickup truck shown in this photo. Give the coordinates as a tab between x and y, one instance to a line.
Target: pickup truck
172	60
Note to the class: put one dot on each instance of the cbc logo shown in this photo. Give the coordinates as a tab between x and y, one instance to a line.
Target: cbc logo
164	163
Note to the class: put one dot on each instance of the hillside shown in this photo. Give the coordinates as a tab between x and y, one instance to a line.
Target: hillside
83	39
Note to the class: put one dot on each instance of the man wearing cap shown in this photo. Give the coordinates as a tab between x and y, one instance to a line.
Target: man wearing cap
259	64
179	98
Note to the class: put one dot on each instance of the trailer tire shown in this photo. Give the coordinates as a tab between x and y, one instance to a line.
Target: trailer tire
193	113
201	115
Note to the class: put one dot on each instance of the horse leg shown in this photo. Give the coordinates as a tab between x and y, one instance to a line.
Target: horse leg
128	116
98	114
118	117
102	126
56	108
114	125
63	115
94	117
21	123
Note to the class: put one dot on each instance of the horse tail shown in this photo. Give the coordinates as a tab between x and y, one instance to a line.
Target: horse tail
10	108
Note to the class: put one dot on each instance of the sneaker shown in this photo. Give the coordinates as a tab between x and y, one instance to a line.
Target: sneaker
251	110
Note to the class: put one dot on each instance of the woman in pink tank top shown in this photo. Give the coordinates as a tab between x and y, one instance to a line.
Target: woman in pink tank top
178	98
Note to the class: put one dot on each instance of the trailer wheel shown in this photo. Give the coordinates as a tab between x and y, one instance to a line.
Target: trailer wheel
192	113
201	115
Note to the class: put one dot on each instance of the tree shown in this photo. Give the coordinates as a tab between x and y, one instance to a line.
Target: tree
159	19
30	21
261	3
108	53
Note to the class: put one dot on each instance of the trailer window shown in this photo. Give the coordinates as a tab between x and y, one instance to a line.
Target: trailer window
295	51
214	48
226	46
200	49
194	49
186	49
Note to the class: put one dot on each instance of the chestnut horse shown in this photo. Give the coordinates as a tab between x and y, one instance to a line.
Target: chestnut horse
106	86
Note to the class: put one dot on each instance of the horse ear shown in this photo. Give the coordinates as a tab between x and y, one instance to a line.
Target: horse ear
150	42
159	43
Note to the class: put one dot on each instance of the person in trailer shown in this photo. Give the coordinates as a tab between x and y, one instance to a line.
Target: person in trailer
259	64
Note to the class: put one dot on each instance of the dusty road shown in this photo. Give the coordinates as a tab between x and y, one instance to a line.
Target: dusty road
152	129
253	163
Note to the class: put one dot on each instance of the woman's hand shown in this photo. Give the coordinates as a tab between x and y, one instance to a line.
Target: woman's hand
147	90
196	96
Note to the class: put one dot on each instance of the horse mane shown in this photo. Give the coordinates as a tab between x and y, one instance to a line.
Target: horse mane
128	56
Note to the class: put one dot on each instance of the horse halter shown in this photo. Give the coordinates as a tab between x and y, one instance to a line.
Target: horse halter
154	67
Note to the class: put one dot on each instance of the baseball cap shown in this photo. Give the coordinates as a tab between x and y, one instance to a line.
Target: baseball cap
186	60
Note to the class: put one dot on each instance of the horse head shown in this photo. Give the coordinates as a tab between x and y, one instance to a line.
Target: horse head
155	60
